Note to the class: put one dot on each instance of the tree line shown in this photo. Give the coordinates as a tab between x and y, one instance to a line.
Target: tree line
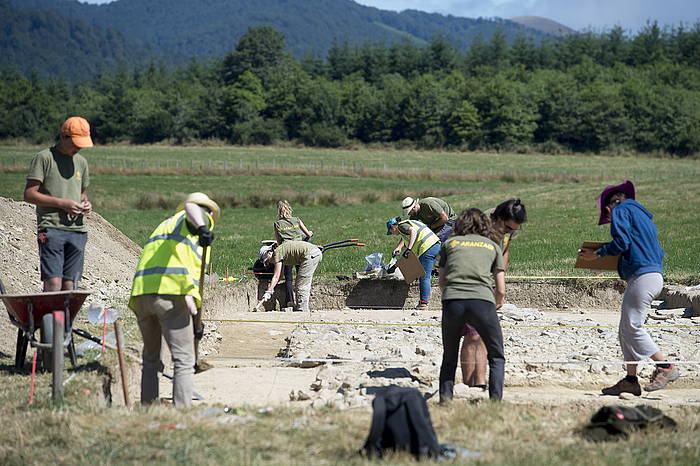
587	92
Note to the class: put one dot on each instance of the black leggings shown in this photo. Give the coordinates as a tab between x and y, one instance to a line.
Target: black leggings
482	316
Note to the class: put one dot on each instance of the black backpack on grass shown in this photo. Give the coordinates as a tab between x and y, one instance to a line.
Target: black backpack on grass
401	422
617	422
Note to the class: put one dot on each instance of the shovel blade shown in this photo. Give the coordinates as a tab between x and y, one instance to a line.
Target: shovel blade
201	366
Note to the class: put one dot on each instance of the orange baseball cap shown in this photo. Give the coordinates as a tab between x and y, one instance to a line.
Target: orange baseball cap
78	129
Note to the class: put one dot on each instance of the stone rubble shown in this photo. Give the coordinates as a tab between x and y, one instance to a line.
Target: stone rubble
540	350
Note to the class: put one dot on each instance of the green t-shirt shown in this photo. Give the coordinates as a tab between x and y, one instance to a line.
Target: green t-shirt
507	238
289	229
430	210
61	176
469	263
294	252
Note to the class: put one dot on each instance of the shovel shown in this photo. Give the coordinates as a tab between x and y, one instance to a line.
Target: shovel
198	325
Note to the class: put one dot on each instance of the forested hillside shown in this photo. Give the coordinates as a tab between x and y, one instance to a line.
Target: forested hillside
181	29
583	93
54	46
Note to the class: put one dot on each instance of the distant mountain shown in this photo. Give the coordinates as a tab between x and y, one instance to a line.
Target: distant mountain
51	45
181	29
544	25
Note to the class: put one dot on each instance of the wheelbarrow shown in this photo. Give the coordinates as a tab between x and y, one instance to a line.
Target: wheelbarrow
52	313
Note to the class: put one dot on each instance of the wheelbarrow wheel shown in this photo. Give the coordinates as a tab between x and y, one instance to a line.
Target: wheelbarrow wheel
46	337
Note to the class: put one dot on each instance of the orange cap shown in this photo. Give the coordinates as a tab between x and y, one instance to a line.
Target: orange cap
78	129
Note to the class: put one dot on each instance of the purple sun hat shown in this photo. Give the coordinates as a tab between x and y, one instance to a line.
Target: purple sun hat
627	188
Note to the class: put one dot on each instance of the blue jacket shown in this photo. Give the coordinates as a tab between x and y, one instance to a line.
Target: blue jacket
635	239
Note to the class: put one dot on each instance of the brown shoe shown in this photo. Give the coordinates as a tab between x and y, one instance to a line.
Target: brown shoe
624	386
661	377
422	306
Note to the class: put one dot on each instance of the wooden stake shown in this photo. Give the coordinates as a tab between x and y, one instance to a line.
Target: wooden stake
122	364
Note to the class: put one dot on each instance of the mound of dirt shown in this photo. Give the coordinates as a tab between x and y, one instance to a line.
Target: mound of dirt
110	261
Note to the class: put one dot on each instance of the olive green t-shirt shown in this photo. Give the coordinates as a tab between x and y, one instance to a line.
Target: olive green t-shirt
61	176
430	210
294	252
289	229
469	263
507	238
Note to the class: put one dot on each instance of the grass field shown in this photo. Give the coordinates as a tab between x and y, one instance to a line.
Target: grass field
83	431
339	202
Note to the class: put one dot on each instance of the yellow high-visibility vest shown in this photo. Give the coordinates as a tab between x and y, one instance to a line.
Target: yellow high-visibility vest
171	261
424	240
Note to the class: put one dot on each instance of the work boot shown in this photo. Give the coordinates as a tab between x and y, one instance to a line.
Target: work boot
422	306
661	377
446	392
624	386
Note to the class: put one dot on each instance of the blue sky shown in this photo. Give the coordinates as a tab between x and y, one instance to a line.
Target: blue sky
577	14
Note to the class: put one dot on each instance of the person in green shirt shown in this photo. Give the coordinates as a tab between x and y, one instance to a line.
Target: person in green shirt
432	211
306	255
289	228
470	269
506	219
57	184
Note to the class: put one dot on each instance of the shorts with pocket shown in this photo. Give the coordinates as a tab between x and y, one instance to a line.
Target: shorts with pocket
61	253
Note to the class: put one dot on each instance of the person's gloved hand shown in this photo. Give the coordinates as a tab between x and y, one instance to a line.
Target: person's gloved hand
405	253
266	297
206	236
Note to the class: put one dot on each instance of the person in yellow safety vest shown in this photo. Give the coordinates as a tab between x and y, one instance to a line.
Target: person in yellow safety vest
425	244
165	294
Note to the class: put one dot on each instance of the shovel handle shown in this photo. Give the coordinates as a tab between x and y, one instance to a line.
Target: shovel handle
197	320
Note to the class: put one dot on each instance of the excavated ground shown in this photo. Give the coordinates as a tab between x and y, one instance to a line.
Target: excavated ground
553	352
365	320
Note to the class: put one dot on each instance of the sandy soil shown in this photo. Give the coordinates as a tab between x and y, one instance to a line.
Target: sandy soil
236	380
110	261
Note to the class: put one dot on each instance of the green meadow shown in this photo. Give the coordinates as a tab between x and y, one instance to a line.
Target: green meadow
338	201
344	194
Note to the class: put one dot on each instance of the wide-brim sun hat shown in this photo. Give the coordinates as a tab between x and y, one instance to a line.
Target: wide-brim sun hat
627	188
203	200
407	204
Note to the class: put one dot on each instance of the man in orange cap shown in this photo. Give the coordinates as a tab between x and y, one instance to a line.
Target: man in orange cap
57	182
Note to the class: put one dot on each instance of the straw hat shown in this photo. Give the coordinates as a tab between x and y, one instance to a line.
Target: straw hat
204	201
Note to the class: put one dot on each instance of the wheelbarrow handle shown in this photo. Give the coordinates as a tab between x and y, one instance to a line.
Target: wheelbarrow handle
355	240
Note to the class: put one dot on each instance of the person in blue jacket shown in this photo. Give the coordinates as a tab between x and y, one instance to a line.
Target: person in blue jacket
635	239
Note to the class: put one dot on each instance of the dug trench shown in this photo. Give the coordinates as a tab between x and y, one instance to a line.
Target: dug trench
360	320
560	341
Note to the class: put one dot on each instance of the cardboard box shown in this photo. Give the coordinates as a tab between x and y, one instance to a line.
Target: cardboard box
602	263
410	267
